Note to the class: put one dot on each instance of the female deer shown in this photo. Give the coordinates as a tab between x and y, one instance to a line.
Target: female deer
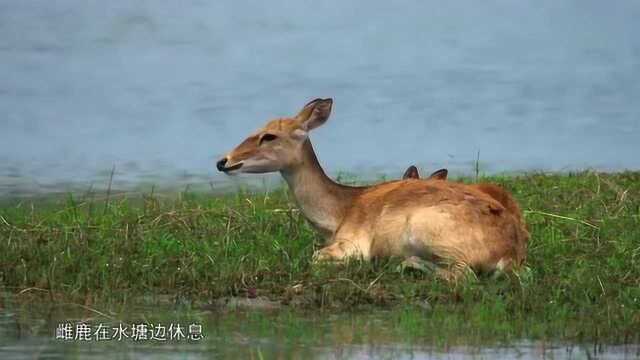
495	191
450	224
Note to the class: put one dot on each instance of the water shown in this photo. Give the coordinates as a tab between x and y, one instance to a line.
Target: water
159	90
30	332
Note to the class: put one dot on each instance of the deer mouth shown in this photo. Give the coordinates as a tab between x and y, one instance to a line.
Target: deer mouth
232	168
221	165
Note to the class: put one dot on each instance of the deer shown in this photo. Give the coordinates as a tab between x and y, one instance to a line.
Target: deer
452	227
493	190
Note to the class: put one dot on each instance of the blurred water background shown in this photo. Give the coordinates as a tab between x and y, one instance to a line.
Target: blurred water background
159	89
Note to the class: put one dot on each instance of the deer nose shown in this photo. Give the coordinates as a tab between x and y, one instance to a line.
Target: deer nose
220	164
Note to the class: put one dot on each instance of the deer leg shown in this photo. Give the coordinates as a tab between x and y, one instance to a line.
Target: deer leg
416	263
342	250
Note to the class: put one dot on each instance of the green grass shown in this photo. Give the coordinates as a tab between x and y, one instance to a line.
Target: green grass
581	281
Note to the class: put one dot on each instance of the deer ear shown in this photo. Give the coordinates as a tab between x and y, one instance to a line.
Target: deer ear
314	114
411	173
439	174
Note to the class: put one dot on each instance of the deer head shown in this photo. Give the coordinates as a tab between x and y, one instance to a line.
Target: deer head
278	145
412	173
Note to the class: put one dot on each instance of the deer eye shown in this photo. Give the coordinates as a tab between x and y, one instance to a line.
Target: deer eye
267	137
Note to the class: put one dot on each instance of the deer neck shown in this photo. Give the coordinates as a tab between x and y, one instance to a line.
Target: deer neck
322	201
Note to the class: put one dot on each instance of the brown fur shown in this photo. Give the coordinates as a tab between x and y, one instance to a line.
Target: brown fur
496	192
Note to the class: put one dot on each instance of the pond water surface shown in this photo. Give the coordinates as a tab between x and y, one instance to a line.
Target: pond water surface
161	89
31	332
